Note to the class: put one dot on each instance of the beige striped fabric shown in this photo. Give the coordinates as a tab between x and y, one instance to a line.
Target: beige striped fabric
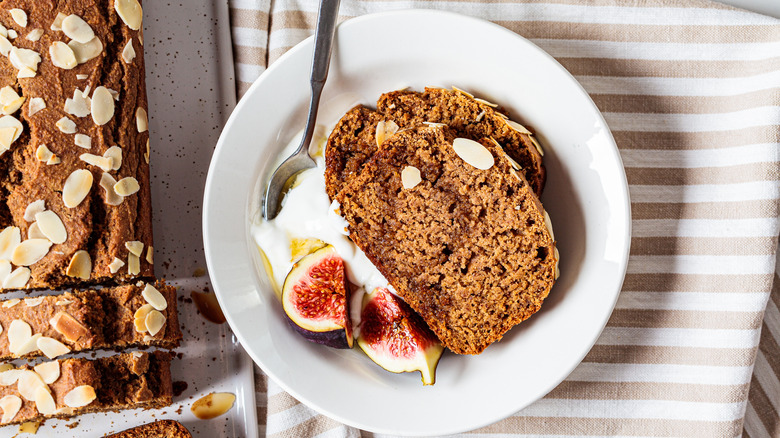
691	92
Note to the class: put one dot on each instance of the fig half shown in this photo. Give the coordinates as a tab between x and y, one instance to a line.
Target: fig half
396	337
314	298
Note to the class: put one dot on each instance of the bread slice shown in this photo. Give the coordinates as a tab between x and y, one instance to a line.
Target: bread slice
157	429
470	250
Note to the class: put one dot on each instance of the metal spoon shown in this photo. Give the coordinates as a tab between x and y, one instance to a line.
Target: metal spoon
300	159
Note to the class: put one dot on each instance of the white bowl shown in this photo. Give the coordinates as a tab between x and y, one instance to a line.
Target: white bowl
586	197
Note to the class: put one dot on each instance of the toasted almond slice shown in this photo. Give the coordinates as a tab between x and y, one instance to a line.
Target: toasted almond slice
34	232
51	226
126	186
44	402
19	332
80	396
11	302
10	130
57	23
28	346
80	265
76	187
17	279
154	297
83	141
485	102
155	321
463	92
86	51
51	347
6	366
66	125
36	104
68	326
130	12
141	119
115	265
63	302
128	53
213	405
30	252
517	127
34	208
537	145
150	255
32	302
473	153
53	160
19	16
548	224
10	404
133	264
108	182
147	154
49	371
115	153
24	58
10	238
10	377
557	258
8	95
81	76
77	29
62	55
410	177
79	105
136	247
102	106
104	163
5	45
139	317
12	34
43	153
13	106
5	271
34	35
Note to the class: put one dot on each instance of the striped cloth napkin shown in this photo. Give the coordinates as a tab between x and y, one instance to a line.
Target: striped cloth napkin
691	92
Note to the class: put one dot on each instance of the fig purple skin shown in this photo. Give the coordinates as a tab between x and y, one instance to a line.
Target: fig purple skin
315	299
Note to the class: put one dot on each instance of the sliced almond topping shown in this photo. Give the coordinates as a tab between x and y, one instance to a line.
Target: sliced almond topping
465	93
80	265
51	347
10	376
146	155
36	104
150	255
57	23
102	106
32	302
25	60
80	396
108	182
29	346
81	77
10	130
34	208
79	105
62	55
557	256
133	264
384	130
34	35
86	51
135	247
19	16
517	127
66	125
548	224
83	141
63	302
12	34
155	321
410	177
485	102
5	271
473	153
76	187
51	226
13	106
68	326
126	186
213	405
5	46
130	12
141	120
128	53
115	265
43	153
103	163
77	29
10	238
115	154
537	145
44	402
49	371
30	252
10	303
19	332
480	116
34	232
53	160
154	297
17	279
8	95
114	93
140	317
10	404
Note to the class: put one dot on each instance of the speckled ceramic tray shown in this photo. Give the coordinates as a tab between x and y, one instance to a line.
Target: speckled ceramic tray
189	62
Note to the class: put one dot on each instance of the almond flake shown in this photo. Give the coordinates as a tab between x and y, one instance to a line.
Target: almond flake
435	124
80	265
30	252
141	120
10	303
62	55
79	105
410	177
43	153
13	106
107	182
128	53
57	23
63	302
548	224
3	31
10	238
465	93
25	60
115	154
36	104
44	402
51	347
146	155
10	376
80	396
86	51
213	405
473	153
135	247
155	321
34	232
102	106
96	160
485	102
32	302
75	28
76	187
150	255
49	371
81	77
34	208
8	95
115	265
5	46
19	332
10	130
5	271
17	279
130	12
126	186
139	318
83	141
133	264
66	125
480	116
10	404
31	345
12	34
537	145
68	326
53	160
114	93
557	258
154	297
34	35
51	226
384	130
19	16
517	127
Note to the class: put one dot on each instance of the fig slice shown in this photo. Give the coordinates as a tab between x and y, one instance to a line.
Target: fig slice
396	337
314	298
